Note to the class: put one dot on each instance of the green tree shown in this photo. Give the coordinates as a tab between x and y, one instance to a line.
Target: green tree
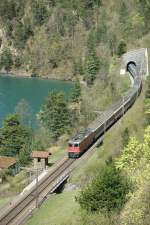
76	92
17	61
54	114
134	152
92	3
125	137
7	10
91	68
21	33
144	8
107	192
123	11
147	93
101	32
40	12
41	139
80	67
131	155
137	210
13	136
25	154
122	48
91	61
6	60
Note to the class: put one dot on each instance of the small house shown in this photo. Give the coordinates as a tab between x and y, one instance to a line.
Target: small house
40	158
9	164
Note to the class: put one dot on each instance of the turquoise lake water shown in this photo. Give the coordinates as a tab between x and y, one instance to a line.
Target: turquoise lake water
32	90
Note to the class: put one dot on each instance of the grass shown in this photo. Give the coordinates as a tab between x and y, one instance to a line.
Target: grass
11	187
57	154
58	210
4	200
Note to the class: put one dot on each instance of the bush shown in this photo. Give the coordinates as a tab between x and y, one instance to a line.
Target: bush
107	192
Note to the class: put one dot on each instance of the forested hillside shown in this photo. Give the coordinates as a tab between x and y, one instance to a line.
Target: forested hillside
83	40
64	38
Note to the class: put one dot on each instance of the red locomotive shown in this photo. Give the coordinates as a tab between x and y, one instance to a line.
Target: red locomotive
80	143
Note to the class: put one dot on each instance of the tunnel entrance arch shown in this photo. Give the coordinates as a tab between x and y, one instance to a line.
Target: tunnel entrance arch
131	62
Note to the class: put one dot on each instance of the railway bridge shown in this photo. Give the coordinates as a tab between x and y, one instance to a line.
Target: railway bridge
20	208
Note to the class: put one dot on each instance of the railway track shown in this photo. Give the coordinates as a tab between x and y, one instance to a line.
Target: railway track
13	214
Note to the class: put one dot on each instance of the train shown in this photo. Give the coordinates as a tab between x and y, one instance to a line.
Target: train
87	137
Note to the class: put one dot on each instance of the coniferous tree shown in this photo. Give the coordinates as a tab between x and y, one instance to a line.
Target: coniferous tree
54	114
91	61
91	67
76	92
7	10
107	192
81	70
6	60
21	34
144	8
39	11
125	137
122	48
13	136
123	13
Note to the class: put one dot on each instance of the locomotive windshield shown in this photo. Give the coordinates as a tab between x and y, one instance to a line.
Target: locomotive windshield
73	145
76	145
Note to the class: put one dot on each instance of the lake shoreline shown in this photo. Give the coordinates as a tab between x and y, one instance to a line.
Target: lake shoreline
37	77
29	75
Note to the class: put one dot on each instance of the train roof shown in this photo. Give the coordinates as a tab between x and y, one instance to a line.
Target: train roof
81	135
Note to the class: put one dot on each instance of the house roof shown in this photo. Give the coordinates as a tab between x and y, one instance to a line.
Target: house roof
40	154
6	162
